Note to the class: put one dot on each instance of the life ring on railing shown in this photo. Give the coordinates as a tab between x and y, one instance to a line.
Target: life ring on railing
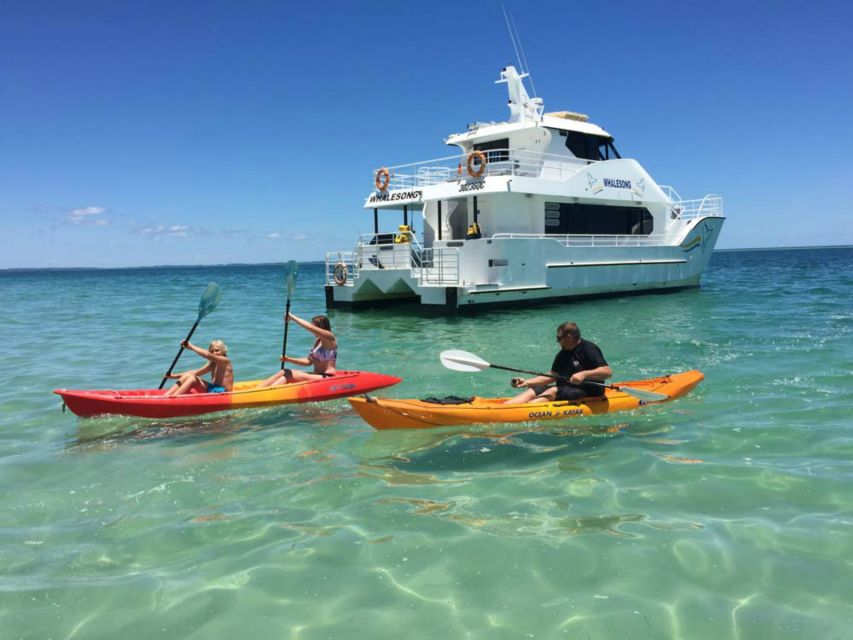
383	179
481	157
340	274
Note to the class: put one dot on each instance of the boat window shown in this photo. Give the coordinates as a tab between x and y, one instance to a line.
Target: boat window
590	147
596	219
496	150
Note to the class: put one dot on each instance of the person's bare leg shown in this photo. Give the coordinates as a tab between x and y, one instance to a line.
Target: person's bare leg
549	395
185	384
525	396
273	380
294	375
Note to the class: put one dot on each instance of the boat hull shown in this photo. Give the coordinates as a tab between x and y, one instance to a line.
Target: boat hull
417	414
534	270
153	403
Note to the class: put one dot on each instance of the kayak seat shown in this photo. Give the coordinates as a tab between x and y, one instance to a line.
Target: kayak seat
449	400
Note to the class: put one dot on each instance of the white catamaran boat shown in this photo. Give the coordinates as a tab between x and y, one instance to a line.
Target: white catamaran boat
537	208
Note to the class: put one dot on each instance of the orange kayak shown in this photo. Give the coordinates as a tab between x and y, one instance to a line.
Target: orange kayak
418	414
153	403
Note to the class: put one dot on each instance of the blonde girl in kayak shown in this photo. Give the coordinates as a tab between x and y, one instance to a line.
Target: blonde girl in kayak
218	365
323	354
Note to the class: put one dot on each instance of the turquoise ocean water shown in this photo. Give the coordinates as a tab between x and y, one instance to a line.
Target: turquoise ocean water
725	514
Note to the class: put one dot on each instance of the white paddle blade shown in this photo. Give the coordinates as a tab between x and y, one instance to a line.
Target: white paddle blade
648	396
462	361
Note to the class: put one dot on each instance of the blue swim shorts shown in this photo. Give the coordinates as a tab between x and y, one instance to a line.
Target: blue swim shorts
214	388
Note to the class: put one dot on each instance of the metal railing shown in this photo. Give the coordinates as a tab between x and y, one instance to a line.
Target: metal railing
588	240
710	205
350	262
438	267
394	251
500	162
398	250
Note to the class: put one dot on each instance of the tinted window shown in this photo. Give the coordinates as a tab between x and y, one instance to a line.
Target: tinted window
596	219
590	147
489	149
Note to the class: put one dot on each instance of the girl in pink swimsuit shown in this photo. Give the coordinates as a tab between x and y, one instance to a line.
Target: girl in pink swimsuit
322	356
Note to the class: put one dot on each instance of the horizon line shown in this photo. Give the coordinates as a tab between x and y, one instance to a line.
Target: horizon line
271	264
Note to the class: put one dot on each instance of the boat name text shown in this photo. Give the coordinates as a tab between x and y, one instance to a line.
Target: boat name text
396	195
472	186
617	184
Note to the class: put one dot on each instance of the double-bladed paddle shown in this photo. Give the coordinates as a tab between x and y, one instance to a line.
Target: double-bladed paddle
464	361
290	280
209	299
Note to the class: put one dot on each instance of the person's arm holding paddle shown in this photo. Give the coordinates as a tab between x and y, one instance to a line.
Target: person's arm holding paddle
211	356
521	383
326	336
599	374
218	365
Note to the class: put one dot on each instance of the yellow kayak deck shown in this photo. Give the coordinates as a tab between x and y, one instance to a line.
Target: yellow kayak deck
418	414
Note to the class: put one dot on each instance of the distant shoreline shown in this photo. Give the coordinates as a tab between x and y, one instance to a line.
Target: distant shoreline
307	262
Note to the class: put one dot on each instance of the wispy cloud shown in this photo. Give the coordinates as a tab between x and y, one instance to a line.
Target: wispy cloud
168	230
156	231
274	235
88	215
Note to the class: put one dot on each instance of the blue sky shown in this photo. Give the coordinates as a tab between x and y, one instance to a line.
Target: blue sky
152	132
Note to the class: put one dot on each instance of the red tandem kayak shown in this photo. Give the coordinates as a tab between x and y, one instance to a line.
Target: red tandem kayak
152	403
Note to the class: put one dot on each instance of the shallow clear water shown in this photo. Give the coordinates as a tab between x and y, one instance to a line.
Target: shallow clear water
726	514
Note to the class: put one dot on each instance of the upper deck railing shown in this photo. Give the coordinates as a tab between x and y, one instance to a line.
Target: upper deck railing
499	162
587	240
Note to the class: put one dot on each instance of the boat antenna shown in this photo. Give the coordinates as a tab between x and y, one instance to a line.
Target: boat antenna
512	38
515	37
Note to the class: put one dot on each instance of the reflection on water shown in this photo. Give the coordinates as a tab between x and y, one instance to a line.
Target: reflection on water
510	446
113	429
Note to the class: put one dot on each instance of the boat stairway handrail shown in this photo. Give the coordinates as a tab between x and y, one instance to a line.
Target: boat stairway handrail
437	267
500	162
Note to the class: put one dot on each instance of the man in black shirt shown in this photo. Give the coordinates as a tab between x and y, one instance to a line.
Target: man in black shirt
578	360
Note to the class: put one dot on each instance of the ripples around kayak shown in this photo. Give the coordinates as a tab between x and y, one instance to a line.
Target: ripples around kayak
725	514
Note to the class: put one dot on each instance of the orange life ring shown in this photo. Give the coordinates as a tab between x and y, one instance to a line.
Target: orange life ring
340	274
383	179
477	155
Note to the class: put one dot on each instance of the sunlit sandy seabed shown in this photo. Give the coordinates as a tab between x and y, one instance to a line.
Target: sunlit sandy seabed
726	514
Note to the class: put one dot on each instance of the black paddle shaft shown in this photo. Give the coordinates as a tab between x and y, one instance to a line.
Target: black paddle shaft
178	355
536	373
284	341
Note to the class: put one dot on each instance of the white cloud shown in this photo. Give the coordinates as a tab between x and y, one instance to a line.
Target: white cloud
299	236
273	235
84	215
